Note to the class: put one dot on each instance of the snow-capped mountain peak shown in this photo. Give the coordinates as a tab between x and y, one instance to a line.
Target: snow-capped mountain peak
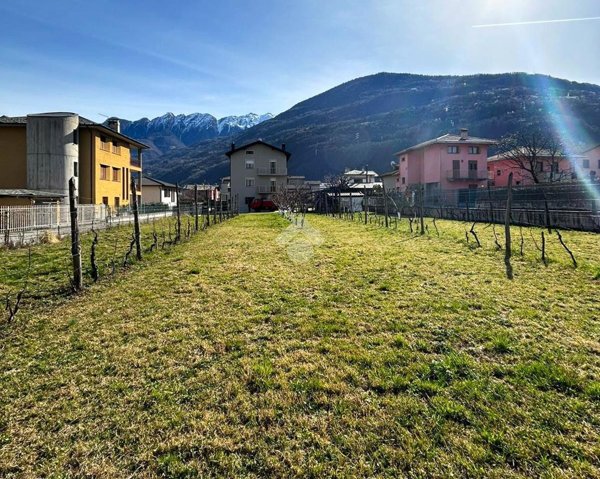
229	123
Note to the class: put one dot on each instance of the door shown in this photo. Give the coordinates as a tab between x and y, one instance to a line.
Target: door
472	169
456	169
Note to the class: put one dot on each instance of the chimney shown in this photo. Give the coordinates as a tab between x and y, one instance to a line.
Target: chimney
464	134
232	146
114	124
283	146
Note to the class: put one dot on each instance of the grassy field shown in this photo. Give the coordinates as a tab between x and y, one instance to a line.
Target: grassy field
340	350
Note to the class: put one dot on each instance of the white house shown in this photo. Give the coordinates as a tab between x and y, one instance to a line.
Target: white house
157	191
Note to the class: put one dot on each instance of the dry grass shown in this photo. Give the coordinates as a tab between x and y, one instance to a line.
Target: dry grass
384	354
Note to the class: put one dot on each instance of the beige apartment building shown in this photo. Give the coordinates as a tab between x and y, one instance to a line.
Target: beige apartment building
257	170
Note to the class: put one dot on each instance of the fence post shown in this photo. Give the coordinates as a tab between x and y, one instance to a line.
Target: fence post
207	209
75	246
178	233
6	228
366	203
421	209
385	207
508	245
214	208
136	220
196	207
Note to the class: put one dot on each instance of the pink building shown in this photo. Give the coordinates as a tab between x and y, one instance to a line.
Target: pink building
591	167
547	168
450	162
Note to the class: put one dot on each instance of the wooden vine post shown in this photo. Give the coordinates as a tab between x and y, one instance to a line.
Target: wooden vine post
136	221
196	208
508	245
178	232
75	245
385	207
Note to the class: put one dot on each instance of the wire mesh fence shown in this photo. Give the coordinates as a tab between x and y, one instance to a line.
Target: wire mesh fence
572	206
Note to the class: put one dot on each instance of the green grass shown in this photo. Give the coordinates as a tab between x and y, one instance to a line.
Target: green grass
384	354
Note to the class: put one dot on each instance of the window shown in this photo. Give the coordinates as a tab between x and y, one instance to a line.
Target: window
598	163
585	163
116	174
473	150
249	164
498	172
75	169
105	200
104	172
117	202
453	150
166	193
249	152
539	166
403	180
273	165
104	143
75	136
116	148
403	158
249	181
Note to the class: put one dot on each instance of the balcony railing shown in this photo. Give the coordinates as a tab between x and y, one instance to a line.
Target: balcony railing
471	175
271	171
266	189
136	162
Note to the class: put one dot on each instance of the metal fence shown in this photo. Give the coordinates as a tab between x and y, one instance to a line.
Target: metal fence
47	217
568	206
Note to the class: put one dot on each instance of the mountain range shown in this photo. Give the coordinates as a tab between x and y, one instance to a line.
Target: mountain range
171	131
364	121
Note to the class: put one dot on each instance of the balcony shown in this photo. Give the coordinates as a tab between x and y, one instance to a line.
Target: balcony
271	171
135	162
471	175
266	189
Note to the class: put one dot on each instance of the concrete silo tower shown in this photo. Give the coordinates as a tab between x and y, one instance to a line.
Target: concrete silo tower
52	151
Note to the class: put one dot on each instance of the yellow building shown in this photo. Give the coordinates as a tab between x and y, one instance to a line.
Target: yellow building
40	153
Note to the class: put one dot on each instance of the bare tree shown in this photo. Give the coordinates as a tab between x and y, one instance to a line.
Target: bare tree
536	154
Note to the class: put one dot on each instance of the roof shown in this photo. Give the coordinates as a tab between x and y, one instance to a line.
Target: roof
147	181
368	186
541	154
389	173
257	142
450	139
25	193
360	173
83	123
592	148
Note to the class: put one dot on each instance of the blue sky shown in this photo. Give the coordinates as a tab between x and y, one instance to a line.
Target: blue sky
134	58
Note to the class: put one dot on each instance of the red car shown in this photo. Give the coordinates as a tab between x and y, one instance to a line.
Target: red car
262	205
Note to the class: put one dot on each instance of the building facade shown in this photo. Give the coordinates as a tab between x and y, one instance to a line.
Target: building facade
591	167
545	167
42	152
158	192
450	162
257	171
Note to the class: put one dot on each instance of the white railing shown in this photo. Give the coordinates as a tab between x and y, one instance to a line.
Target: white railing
271	171
41	217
